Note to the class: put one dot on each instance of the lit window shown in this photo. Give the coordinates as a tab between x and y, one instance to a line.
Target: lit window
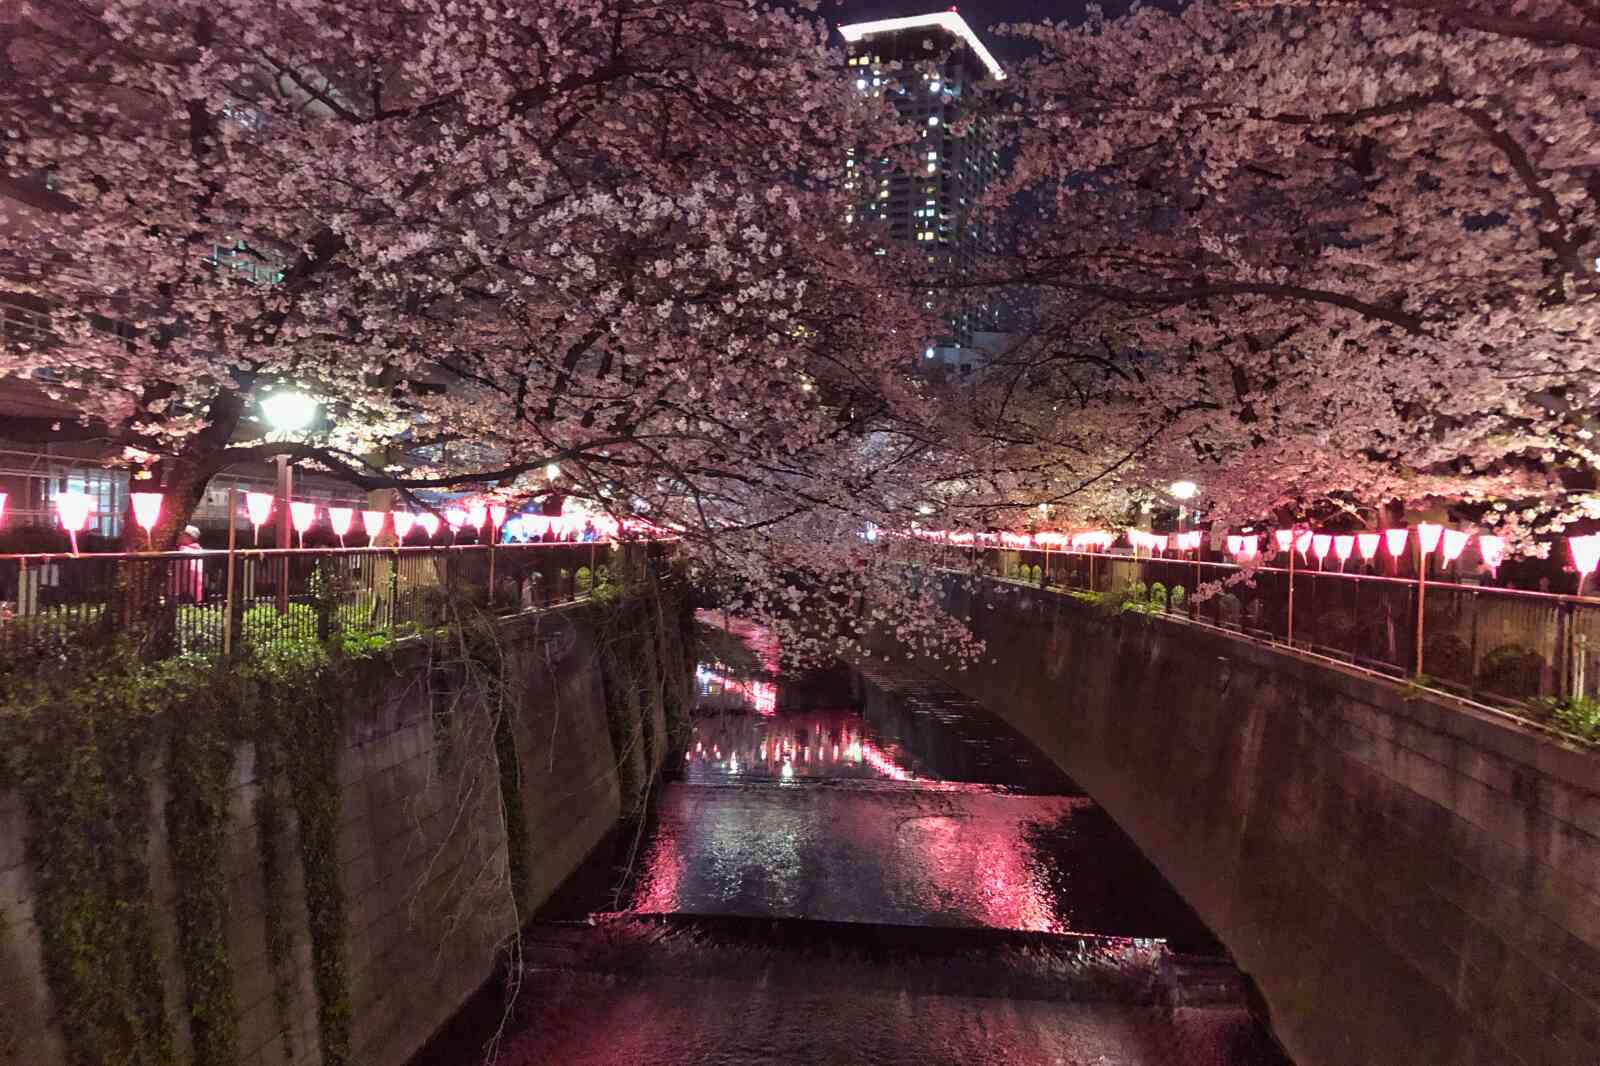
933	87
933	120
932	167
849	162
933	155
928	354
861	83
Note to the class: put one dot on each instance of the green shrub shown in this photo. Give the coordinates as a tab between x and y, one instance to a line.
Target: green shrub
1229	609
1447	656
1511	670
1177	597
1158	596
1570	714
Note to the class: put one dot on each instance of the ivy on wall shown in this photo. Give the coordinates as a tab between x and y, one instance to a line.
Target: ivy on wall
85	730
79	746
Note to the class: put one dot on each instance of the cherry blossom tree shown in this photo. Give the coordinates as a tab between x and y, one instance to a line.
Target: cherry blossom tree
1308	254
603	238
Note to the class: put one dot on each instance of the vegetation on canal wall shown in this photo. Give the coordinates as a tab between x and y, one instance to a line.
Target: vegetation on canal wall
121	762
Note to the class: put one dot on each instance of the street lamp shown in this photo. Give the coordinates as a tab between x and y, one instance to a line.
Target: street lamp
287	411
1183	492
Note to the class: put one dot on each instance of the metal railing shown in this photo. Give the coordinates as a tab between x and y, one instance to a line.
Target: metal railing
217	602
1499	646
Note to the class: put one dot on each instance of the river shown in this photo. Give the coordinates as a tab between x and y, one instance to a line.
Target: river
859	866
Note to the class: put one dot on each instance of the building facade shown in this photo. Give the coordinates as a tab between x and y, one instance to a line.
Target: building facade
929	67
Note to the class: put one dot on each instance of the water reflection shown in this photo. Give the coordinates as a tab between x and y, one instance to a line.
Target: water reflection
793	748
868	798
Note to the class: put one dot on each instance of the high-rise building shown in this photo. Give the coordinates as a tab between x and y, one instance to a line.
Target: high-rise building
928	66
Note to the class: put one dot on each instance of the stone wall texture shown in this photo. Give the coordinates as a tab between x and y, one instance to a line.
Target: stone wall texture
422	851
1409	881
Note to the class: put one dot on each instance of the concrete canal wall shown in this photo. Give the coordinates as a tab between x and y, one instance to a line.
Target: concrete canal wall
449	834
1409	882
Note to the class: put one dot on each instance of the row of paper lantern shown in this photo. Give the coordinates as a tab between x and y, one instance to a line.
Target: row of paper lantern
1431	537
74	509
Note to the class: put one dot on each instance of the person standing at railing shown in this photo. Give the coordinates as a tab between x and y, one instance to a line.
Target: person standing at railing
190	574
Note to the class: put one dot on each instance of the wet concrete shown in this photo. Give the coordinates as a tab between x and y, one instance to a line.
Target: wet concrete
838	871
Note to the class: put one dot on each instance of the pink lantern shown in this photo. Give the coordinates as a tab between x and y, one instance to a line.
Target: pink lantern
146	511
538	525
1320	543
1368	543
372	522
1235	544
1428	536
303	514
1455	542
1302	542
497	514
259	506
1395	541
477	514
403	521
2	505
1249	547
1159	543
1585	556
559	526
1493	550
1343	545
339	518
429	523
1284	538
455	518
74	509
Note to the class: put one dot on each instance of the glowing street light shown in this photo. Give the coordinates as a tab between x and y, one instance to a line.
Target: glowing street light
146	512
288	411
1183	490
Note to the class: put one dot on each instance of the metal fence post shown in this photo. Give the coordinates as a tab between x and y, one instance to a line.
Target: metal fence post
227	610
1422	591
1580	664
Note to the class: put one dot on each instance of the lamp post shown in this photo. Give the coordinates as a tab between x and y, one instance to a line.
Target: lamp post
287	411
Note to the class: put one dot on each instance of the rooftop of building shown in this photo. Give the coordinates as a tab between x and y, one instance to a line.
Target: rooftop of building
949	21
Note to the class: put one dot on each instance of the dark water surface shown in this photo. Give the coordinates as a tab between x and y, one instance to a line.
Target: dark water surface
848	868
